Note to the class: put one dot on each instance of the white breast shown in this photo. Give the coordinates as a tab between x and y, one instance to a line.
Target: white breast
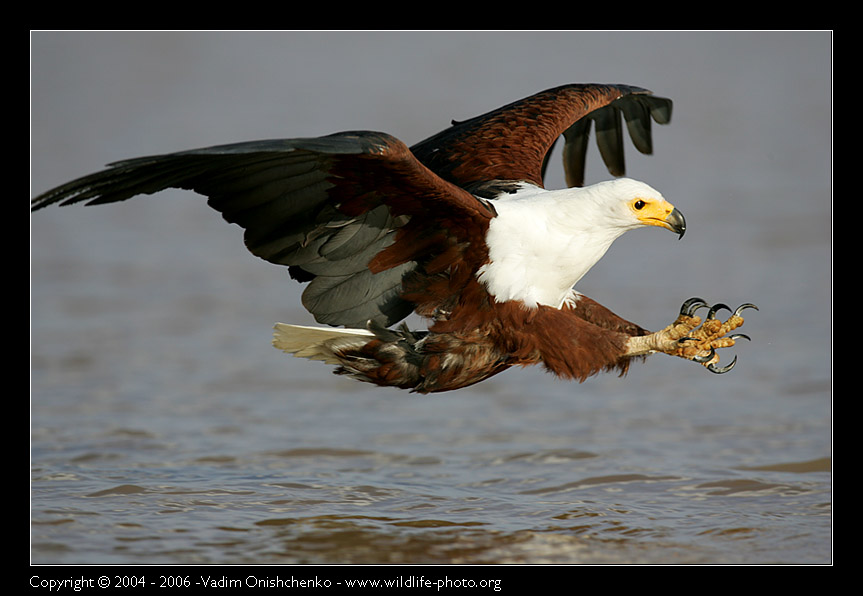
542	242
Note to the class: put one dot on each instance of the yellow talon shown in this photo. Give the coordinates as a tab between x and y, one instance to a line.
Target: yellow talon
699	340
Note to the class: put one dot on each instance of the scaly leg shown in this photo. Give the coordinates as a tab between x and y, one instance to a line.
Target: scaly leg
690	338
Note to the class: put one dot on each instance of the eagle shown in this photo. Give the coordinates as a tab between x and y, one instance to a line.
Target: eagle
458	229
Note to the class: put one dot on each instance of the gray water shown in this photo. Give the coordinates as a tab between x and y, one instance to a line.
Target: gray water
166	429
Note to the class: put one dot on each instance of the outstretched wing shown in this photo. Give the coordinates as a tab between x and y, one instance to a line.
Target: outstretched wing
375	232
513	142
344	212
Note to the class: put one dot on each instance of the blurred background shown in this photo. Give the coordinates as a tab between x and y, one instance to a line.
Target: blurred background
165	428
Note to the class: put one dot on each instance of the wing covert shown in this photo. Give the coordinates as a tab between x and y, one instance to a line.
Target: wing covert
325	207
513	142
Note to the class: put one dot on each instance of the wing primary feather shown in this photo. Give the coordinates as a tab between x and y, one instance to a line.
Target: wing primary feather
609	138
637	118
577	138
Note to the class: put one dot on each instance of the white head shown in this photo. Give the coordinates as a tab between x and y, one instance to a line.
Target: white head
542	242
617	206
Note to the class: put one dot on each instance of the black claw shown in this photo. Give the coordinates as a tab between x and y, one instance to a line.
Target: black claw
742	307
716	307
691	305
723	369
683	339
708	358
740	336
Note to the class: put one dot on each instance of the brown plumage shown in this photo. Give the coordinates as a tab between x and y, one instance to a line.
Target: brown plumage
379	230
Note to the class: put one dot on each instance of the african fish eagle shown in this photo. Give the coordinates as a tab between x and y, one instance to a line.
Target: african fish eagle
458	229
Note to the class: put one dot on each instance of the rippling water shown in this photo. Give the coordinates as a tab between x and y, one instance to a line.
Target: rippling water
322	476
165	429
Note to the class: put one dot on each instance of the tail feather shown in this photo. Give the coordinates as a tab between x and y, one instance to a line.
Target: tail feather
317	343
417	360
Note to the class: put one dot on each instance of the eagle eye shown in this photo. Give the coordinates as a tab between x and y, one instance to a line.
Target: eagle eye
639	204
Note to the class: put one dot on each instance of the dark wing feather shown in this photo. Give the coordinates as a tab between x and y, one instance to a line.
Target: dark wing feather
325	207
513	142
375	232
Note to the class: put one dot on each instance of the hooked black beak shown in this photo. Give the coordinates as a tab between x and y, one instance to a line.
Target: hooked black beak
676	223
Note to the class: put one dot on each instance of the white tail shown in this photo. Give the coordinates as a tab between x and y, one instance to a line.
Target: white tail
317	343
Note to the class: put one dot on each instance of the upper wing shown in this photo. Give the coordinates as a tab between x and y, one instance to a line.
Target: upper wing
513	142
376	232
328	207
